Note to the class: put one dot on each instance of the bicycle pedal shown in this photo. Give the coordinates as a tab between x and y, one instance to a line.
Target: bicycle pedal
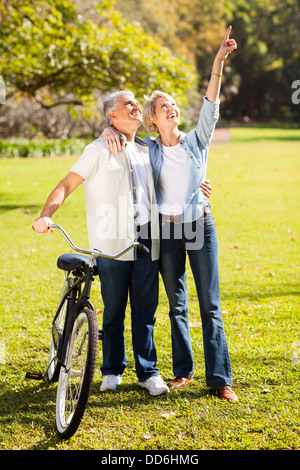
34	375
100	335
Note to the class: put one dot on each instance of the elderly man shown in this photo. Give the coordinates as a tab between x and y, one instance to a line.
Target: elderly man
121	207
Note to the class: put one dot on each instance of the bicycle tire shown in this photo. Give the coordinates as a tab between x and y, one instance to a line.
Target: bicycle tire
54	367
76	379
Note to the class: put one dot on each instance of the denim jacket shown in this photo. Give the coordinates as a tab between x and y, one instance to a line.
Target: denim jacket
195	144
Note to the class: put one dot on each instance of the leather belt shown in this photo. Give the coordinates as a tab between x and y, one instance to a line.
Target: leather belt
174	219
177	219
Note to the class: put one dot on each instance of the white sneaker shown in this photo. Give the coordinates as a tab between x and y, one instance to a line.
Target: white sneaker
155	385
110	382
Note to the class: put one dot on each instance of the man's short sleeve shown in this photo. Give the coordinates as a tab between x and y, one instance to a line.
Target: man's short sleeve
89	161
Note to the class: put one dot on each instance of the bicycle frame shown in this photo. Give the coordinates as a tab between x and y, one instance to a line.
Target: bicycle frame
76	305
73	308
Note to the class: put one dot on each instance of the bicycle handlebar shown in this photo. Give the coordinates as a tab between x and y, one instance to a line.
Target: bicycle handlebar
95	252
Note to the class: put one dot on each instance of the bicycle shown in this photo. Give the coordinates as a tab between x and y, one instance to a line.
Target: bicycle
75	336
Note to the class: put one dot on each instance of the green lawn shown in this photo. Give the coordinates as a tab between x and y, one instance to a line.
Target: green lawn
256	200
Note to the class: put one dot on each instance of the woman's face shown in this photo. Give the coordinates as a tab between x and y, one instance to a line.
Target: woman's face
167	115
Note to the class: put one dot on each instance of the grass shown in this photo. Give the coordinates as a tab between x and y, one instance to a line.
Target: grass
256	207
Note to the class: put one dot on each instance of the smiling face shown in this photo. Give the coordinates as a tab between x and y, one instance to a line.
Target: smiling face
127	114
167	115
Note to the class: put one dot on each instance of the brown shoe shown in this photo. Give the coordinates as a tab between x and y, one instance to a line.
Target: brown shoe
180	382
226	393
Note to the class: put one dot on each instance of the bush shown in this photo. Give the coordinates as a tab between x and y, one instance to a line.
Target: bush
25	148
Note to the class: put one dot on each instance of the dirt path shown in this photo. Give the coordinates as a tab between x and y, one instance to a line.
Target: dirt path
221	135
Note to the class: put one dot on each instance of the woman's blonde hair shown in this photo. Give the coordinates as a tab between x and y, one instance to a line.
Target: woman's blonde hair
149	110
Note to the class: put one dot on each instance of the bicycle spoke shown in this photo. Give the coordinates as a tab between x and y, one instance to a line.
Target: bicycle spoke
76	379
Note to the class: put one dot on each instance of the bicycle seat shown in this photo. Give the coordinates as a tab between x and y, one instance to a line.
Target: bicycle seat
71	261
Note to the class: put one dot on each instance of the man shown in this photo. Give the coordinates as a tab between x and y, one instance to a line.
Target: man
121	207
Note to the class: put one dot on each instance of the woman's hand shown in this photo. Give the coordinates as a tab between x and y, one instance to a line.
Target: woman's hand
206	189
113	140
227	46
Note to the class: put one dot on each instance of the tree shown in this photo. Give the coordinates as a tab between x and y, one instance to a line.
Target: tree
258	77
192	29
269	56
55	55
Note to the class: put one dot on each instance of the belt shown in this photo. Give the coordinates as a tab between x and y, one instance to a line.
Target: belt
177	219
174	219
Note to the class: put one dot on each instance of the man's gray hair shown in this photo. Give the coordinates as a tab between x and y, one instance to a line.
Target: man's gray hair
110	103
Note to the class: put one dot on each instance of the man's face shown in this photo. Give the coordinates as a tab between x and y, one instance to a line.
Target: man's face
128	112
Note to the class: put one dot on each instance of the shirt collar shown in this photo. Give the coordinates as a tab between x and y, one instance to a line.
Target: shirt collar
136	139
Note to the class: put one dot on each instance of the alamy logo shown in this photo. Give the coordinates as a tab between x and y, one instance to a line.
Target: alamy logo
296	94
2	91
112	223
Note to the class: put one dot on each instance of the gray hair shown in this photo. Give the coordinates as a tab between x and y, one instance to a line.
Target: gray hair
110	103
149	110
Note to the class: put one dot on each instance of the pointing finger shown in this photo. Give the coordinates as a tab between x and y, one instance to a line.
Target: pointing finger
227	33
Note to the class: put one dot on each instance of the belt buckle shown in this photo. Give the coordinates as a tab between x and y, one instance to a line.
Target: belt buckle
177	219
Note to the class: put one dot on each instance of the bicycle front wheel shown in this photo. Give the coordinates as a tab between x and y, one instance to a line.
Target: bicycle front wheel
76	379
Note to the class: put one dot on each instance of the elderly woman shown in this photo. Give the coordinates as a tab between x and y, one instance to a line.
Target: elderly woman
188	229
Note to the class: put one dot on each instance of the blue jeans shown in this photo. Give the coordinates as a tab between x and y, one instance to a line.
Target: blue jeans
202	251
139	279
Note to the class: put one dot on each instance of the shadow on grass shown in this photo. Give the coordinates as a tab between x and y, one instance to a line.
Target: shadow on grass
256	291
34	406
8	203
27	208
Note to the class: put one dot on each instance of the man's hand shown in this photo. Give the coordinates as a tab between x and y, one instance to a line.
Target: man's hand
112	140
206	189
42	225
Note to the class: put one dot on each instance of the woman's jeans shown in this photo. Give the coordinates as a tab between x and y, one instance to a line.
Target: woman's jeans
139	279
199	241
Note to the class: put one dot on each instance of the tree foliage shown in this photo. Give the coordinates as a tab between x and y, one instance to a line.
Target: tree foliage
55	54
258	77
269	59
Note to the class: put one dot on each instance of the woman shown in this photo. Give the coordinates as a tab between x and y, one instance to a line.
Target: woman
187	228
